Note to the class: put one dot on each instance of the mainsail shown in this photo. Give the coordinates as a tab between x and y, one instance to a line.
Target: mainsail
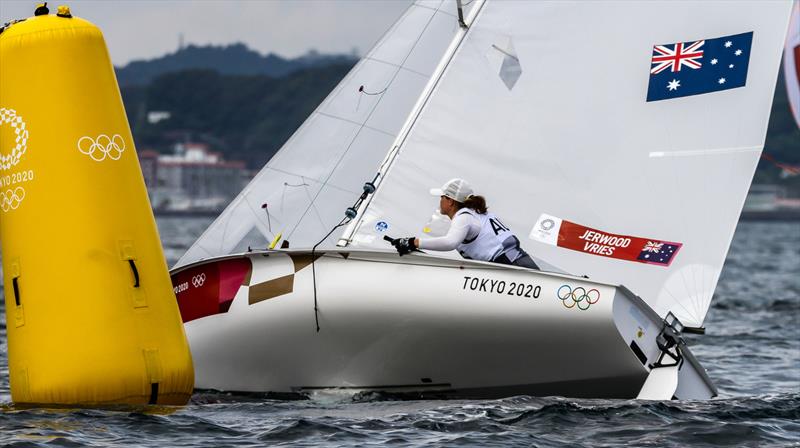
565	116
319	172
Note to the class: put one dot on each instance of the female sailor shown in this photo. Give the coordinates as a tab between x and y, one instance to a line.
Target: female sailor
474	232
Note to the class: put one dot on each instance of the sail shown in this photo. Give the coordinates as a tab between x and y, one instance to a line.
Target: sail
791	62
603	159
321	169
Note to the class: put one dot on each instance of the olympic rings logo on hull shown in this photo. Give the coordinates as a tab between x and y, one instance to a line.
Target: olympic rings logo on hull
10	199
9	116
198	280
103	147
579	297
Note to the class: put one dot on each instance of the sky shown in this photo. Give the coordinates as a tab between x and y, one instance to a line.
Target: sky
143	29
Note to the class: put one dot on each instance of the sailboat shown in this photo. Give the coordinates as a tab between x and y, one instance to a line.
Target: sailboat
620	138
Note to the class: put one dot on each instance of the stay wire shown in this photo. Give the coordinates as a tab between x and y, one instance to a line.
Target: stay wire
314	270
350	214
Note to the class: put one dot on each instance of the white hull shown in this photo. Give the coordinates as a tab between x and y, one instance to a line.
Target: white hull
418	324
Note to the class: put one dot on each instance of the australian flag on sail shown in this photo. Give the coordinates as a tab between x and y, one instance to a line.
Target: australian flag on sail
703	66
658	252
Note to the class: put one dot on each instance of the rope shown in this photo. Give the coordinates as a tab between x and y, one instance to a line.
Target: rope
789	170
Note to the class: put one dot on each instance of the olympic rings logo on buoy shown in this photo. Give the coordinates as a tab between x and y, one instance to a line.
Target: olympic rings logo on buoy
102	147
9	116
10	199
579	296
198	280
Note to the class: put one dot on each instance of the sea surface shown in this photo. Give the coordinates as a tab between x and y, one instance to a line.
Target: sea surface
751	350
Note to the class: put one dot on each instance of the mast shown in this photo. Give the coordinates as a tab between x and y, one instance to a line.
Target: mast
386	165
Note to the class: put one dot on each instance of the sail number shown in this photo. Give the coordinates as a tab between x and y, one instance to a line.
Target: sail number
501	287
16	178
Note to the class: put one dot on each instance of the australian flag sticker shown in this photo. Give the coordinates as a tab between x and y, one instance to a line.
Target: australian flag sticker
703	66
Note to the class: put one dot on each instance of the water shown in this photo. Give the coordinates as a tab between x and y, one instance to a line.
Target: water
751	351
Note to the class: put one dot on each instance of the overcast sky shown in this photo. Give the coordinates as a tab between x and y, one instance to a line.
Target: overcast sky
142	29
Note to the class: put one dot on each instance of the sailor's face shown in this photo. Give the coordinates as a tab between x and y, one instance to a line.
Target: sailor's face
445	204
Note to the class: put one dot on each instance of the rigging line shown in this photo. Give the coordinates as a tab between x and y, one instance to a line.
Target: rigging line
505	52
361	90
254	212
790	170
225	226
265	206
429	8
345	190
314	206
349	214
439	9
395	25
391	64
355	123
283	196
314	269
338	162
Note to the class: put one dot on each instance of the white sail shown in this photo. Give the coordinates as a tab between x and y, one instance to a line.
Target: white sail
554	121
319	172
791	62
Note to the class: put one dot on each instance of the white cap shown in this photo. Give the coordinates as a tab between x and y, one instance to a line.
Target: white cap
455	189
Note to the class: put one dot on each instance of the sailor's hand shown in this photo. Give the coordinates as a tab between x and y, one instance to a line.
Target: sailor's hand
404	245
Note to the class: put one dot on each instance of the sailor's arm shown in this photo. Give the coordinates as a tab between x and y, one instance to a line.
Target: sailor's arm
457	233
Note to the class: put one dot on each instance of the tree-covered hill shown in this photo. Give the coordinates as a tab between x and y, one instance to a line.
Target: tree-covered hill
236	59
247	117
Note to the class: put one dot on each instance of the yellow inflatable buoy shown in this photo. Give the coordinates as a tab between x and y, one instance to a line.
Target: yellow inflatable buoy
90	311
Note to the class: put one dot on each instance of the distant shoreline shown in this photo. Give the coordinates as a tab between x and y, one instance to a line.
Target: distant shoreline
187	213
772	215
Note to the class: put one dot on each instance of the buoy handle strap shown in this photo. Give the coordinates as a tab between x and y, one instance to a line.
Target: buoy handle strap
15	283
135	271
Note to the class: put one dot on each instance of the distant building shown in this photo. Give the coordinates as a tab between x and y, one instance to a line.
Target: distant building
148	160
193	178
155	116
763	197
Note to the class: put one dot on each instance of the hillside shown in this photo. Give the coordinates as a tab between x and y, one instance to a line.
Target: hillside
247	117
236	59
